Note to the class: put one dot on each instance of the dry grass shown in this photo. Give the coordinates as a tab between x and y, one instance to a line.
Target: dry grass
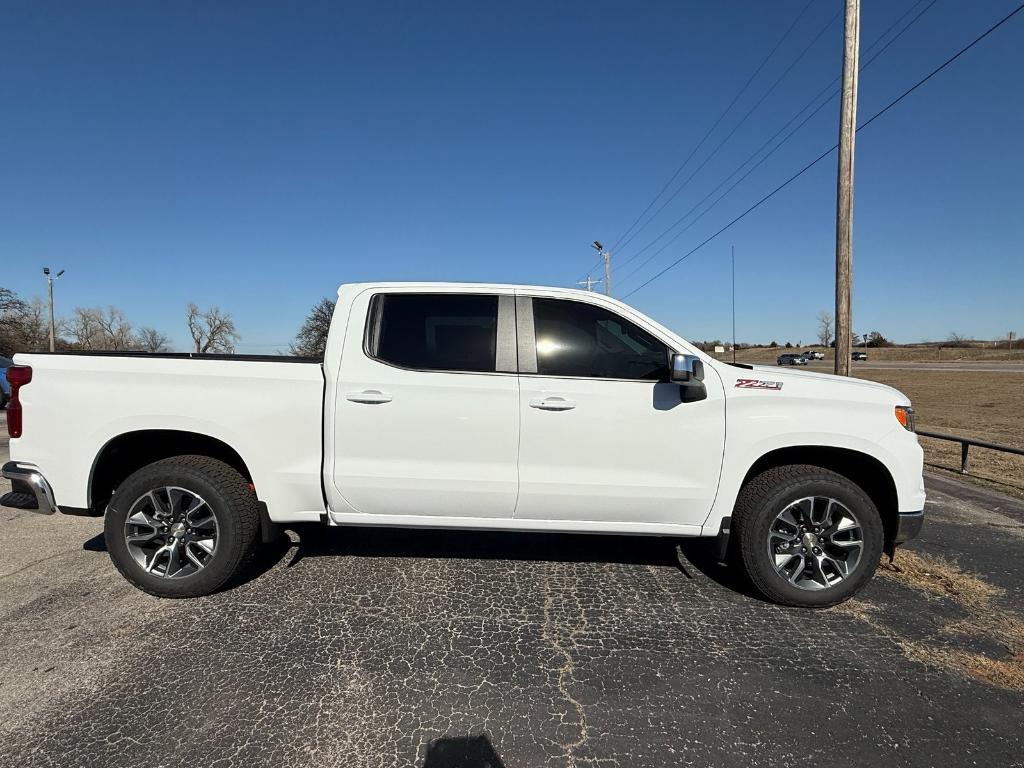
938	577
980	404
1002	673
941	579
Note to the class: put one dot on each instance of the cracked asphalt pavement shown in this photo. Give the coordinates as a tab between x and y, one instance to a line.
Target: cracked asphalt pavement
358	647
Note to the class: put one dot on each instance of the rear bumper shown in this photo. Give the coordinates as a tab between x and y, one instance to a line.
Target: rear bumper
908	525
30	490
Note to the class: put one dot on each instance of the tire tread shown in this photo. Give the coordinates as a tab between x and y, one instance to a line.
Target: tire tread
751	500
237	496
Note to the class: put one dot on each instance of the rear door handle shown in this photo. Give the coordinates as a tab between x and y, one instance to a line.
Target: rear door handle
553	403
369	396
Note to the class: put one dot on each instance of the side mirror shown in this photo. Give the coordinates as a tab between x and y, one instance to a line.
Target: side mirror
686	369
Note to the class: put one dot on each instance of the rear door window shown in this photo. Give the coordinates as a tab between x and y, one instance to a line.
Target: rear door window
435	332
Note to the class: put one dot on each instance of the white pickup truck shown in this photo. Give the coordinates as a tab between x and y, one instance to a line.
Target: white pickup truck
470	406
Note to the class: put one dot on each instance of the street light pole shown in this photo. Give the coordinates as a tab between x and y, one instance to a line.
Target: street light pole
49	287
606	256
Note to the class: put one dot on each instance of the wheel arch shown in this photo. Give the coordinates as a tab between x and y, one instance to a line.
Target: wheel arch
860	468
130	451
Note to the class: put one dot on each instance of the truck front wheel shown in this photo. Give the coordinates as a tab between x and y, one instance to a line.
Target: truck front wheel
181	527
806	536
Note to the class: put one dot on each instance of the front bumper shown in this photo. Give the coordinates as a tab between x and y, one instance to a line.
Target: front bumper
908	525
30	490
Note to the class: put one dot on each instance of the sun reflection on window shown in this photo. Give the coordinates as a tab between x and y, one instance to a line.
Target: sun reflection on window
548	347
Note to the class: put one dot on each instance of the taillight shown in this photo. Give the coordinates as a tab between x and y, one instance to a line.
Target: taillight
17	376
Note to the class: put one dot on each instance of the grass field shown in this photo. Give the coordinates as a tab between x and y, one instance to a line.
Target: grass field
984	405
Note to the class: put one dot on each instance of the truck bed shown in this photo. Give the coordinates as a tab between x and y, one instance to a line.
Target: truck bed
269	406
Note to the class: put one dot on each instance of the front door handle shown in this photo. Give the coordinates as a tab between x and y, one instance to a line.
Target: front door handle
369	396
553	403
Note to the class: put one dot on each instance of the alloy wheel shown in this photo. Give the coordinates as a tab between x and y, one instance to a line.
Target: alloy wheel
815	542
171	532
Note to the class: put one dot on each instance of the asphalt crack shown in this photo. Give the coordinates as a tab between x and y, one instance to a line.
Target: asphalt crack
553	633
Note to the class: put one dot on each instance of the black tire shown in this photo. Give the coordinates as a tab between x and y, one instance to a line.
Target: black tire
767	495
227	495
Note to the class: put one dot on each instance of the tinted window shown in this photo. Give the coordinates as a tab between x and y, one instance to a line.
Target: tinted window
449	332
576	339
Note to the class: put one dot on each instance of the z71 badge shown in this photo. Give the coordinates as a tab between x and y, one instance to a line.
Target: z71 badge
757	384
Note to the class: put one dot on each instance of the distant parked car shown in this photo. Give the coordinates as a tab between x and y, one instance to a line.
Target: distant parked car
791	360
812	355
860	355
5	386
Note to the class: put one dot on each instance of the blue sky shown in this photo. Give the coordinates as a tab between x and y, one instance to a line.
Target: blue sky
255	155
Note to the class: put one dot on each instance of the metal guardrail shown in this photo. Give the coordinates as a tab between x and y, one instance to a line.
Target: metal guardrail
966	443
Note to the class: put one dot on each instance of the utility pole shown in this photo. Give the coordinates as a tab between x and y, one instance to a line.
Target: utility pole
588	283
607	257
844	188
734	303
49	286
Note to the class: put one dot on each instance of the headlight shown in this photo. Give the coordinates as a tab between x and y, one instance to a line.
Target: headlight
905	416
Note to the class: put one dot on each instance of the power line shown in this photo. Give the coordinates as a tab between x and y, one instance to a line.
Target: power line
829	151
772	138
771	152
736	127
717	122
717	200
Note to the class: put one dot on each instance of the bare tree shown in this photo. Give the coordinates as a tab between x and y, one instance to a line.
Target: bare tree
101	329
25	326
826	327
84	329
151	340
212	330
956	340
115	330
10	304
12	314
35	327
311	340
11	309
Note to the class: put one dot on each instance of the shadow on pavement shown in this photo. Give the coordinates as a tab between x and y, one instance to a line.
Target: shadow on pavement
316	541
97	543
462	752
701	554
693	557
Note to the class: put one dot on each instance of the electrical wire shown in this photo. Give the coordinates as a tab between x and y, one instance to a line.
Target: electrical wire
710	130
738	125
829	151
788	123
771	152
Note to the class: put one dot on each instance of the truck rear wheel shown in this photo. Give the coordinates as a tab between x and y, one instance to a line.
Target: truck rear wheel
806	536
182	527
